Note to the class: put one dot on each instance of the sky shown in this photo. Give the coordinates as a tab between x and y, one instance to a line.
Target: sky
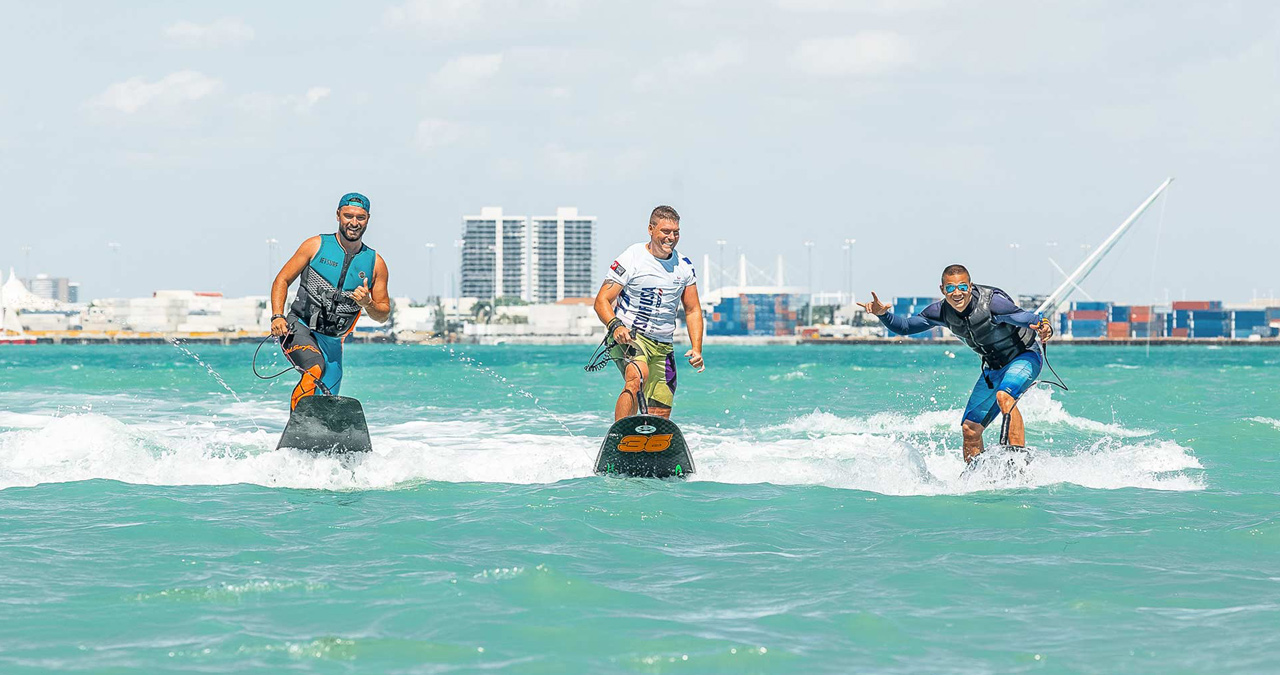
930	132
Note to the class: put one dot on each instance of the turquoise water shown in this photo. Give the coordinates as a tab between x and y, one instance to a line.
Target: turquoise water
150	526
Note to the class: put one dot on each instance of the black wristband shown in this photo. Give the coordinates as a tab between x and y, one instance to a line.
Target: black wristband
613	325
277	316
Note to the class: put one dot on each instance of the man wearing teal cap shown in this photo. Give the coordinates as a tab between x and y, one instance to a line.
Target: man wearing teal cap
341	277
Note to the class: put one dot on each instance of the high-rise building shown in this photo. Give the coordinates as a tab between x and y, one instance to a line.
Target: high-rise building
494	259
561	259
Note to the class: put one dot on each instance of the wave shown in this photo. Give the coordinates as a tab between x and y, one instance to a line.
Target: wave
1266	420
889	453
1038	407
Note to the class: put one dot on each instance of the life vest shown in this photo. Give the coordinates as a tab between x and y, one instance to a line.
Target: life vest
323	302
997	343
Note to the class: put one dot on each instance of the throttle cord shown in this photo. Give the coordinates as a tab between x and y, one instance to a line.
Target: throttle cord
601	357
292	366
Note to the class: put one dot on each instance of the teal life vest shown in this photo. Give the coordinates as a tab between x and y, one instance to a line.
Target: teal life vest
323	302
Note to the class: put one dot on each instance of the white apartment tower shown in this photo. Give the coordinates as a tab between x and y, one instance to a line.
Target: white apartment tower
561	259
494	256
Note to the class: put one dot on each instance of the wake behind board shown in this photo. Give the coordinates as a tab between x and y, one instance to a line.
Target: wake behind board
644	446
327	424
999	462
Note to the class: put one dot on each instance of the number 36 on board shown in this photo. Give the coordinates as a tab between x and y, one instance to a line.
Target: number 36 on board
655	443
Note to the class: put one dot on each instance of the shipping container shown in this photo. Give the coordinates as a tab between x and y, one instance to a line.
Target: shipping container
1091	306
1118	329
1088	329
1249	317
1088	315
1211	316
1178	332
1198	305
1140	313
1119	313
1209	331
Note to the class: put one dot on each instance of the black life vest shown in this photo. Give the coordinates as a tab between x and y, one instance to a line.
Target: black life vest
997	343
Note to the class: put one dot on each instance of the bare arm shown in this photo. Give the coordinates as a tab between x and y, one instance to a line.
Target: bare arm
280	287
693	321
605	297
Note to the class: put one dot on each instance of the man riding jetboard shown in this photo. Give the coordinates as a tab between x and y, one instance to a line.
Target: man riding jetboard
1004	335
341	277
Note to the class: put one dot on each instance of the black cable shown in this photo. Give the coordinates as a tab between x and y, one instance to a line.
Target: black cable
601	357
292	367
254	364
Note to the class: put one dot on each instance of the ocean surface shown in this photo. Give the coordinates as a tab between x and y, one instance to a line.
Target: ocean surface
147	523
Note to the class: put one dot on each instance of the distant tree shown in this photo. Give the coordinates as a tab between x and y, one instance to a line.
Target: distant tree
440	324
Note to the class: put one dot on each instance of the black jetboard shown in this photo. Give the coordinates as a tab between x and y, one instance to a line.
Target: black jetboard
327	424
644	446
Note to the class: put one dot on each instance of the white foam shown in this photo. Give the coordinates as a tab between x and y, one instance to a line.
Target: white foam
1266	420
898	466
888	453
88	446
1038	407
12	420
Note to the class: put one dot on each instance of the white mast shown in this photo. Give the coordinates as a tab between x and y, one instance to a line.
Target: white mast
1064	291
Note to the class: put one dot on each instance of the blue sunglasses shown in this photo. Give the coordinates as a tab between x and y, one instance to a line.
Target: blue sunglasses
952	288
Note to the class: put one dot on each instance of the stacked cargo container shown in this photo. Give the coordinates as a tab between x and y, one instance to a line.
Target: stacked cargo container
1133	321
758	314
1245	321
1086	319
911	305
1199	319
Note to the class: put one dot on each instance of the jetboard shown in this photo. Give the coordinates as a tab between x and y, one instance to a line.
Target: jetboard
644	446
327	424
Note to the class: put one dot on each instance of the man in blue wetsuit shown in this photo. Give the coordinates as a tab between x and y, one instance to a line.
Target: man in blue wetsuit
1003	334
340	278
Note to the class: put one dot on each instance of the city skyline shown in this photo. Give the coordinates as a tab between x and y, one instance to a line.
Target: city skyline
997	134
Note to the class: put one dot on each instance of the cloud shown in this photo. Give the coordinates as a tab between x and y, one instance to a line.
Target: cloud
434	133
865	53
860	6
465	19
434	15
464	72
263	104
227	31
313	96
171	91
692	65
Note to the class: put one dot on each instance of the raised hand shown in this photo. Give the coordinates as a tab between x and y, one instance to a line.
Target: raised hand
361	295
875	306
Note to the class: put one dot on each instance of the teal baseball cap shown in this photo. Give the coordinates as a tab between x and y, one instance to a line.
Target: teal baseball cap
354	199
